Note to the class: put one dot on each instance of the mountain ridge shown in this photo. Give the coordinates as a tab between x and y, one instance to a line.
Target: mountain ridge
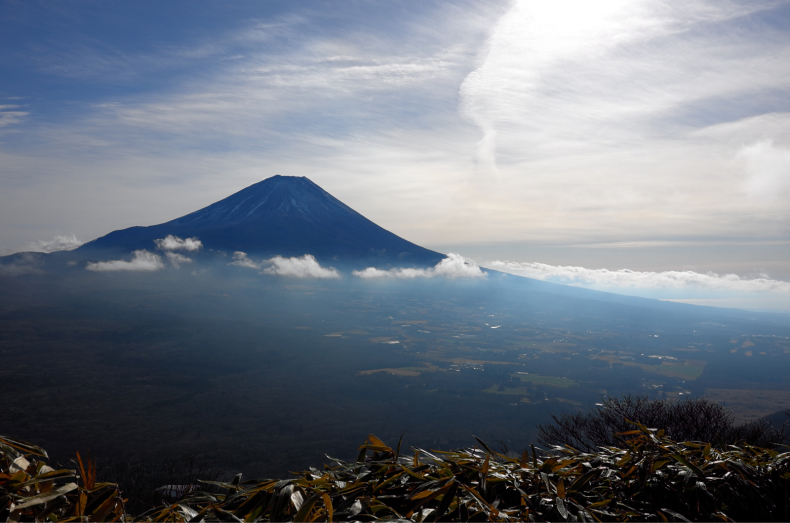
280	215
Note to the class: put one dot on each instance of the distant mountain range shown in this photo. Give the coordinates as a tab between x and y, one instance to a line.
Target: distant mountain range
281	215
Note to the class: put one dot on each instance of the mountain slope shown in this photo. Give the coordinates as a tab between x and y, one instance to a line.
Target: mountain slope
281	215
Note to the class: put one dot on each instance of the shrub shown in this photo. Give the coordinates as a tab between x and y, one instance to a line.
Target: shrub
649	477
682	420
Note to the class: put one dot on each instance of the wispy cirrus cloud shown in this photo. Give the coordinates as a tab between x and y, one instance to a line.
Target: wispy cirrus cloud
264	95
576	77
634	118
10	115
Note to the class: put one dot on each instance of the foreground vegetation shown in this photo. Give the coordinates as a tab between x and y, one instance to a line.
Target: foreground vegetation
648	478
688	420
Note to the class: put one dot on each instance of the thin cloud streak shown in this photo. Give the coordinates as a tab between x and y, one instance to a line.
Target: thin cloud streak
626	279
142	260
10	116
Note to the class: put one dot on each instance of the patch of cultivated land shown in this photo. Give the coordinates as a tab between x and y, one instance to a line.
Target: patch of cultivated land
689	369
750	404
508	391
402	371
535	379
684	369
440	356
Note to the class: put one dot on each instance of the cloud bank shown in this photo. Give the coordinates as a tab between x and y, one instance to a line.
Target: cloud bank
174	243
297	267
141	261
58	243
454	266
626	279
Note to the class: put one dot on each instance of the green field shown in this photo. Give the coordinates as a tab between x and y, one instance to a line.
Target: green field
537	379
509	391
680	371
686	369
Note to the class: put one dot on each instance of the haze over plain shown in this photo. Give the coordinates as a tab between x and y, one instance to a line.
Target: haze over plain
552	140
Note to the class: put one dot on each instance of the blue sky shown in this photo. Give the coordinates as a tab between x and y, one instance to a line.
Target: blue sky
649	136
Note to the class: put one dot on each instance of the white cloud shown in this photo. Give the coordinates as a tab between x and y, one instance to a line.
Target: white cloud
297	267
58	243
240	259
174	243
177	259
405	274
141	261
454	266
304	267
768	167
9	116
626	279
